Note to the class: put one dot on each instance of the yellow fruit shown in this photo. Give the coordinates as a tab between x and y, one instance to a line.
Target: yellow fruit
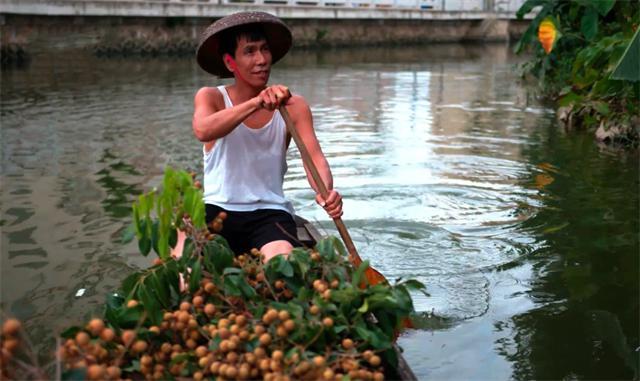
265	339
314	310
107	335
95	326
95	372
201	351
241	320
283	315
210	309
327	322
289	325
140	346
347	343
146	360
132	303
375	360
82	338
318	361
113	372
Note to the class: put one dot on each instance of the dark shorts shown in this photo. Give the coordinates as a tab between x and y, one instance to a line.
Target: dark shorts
247	230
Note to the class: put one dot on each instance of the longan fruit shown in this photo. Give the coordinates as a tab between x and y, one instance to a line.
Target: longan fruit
277	355
82	338
201	351
95	326
347	343
289	325
265	339
327	322
185	306
210	309
132	303
113	372
215	367
375	360
197	301
319	361
107	335
146	360
11	327
95	372
283	315
314	310
140	346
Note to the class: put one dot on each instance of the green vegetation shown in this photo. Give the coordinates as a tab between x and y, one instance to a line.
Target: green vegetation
591	38
212	315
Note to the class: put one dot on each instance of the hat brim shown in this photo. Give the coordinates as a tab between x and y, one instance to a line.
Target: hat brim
208	52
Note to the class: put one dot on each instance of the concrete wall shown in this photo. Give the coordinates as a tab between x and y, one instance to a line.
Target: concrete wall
159	35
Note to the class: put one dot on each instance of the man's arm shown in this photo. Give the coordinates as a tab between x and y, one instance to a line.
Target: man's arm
303	121
211	120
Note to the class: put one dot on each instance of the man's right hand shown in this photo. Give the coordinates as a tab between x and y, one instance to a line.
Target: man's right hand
272	97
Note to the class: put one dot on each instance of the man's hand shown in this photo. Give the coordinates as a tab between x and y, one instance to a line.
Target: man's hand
273	96
332	205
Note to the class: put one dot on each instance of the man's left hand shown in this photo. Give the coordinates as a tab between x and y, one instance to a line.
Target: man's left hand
332	205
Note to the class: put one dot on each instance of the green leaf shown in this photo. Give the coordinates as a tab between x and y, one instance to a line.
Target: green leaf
129	283
150	304
603	6
589	23
285	268
364	308
230	288
220	256
602	108
358	274
571	98
77	374
628	68
196	275
527	6
129	317
144	244
128	233
173	237
70	332
114	300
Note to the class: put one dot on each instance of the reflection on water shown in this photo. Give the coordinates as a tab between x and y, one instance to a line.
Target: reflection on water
526	238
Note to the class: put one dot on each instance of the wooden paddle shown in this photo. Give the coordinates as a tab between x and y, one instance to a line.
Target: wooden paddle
373	276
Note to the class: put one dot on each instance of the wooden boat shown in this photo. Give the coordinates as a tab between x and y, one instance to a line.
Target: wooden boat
308	235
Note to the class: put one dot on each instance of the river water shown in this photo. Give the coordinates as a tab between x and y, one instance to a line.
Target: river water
453	173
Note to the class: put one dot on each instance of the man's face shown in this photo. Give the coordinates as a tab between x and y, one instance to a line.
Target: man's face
253	61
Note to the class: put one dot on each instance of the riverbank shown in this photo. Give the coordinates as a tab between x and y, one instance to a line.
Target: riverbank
123	36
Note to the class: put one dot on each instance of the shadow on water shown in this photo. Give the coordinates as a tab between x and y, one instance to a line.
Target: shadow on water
585	283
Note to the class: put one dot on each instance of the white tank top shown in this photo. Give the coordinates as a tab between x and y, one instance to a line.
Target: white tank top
245	169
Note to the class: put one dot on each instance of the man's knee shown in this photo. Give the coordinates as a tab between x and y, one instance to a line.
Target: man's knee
273	248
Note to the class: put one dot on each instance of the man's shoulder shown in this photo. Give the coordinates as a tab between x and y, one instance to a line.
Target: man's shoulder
298	103
208	92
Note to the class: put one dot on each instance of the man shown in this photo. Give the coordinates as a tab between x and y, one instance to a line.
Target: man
245	138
